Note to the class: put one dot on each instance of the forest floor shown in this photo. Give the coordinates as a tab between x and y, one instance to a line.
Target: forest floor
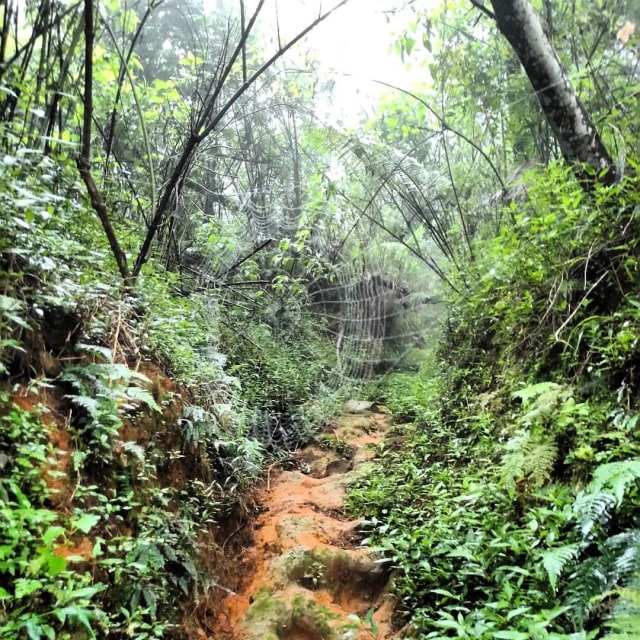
306	575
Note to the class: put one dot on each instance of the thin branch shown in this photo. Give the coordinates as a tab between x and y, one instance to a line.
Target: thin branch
145	136
463	221
175	182
84	160
446	126
481	7
242	260
124	64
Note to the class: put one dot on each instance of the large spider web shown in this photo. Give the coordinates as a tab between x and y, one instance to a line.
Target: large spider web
373	318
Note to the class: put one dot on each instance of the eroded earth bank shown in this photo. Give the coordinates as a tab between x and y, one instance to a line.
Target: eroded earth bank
306	575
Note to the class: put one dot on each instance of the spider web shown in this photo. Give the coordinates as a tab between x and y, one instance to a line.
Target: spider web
372	318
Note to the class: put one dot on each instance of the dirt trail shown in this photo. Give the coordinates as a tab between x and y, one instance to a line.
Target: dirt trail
307	577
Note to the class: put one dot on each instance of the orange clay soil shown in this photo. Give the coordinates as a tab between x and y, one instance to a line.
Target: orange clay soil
306	576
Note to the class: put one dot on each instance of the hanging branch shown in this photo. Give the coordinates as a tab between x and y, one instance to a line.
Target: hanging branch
207	122
124	72
84	160
463	221
145	136
444	124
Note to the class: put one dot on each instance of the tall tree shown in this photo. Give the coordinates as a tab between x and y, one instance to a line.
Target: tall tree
572	126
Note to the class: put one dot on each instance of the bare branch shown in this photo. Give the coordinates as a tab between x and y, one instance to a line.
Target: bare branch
207	123
481	7
84	161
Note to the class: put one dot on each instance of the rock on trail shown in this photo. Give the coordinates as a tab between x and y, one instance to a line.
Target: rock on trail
307	577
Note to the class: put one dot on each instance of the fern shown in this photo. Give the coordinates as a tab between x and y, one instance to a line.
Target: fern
591	509
103	392
143	396
604	493
135	450
603	564
534	391
90	405
528	459
555	560
616	476
617	563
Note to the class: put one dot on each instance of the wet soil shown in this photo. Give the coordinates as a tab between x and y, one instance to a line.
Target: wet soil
305	575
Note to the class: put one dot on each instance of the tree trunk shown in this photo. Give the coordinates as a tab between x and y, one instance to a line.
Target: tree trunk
579	141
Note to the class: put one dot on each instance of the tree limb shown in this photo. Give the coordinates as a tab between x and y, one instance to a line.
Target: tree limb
84	161
207	122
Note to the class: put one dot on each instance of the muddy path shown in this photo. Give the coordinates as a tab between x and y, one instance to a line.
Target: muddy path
307	577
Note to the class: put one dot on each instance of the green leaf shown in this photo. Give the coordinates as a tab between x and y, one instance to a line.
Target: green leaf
535	390
25	587
142	395
79	614
55	565
85	522
555	560
617	476
51	534
369	620
35	630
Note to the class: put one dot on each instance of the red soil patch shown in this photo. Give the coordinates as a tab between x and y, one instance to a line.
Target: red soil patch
46	404
80	550
303	529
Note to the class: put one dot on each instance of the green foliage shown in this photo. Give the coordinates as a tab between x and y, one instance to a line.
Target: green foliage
528	460
31	569
464	551
283	377
482	506
102	390
604	553
409	397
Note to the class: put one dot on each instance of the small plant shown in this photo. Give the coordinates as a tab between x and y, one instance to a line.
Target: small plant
314	574
361	625
103	393
333	442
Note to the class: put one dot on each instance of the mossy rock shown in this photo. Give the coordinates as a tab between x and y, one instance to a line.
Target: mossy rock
310	620
267	617
334	571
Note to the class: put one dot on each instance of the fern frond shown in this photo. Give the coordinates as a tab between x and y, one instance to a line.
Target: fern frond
615	476
144	396
536	390
528	458
135	450
591	509
625	549
585	587
540	461
595	579
555	561
91	405
104	352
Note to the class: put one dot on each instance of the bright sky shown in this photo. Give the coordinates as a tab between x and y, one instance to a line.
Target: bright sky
354	45
356	39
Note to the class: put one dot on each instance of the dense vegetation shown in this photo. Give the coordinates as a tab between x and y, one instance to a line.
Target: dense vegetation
196	268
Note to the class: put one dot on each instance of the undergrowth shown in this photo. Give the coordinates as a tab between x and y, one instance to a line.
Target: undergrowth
509	503
128	436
